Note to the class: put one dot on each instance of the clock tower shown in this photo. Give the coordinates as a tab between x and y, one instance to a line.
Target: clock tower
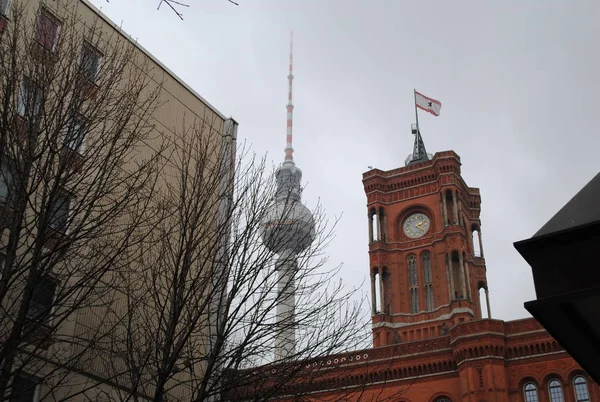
425	250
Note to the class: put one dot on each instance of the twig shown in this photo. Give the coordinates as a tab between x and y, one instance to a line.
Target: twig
168	2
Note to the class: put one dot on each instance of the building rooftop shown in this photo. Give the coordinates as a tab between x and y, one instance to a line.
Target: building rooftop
151	56
581	210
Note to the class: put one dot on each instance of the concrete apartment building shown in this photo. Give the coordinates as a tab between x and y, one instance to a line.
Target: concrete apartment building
52	243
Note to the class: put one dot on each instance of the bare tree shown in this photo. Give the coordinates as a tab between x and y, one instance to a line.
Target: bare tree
206	308
133	257
201	324
74	186
176	6
133	263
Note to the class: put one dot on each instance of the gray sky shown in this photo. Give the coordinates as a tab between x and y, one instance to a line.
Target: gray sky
518	81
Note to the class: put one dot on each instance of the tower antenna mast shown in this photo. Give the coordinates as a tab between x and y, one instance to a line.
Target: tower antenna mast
289	150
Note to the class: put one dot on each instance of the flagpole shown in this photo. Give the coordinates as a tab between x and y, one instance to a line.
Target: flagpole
416	112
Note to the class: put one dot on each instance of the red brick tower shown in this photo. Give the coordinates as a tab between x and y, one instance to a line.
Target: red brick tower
425	249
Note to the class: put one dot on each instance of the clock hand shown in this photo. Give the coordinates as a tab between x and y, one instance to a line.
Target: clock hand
418	225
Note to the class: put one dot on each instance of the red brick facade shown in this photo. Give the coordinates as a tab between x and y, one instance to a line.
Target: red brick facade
430	341
436	190
480	360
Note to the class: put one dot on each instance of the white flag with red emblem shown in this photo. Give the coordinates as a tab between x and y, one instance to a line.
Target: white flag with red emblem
428	104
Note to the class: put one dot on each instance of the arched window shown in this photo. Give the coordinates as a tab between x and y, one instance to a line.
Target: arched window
376	230
382	225
371	227
581	389
555	391
385	288
483	300
531	393
442	399
428	281
476	242
377	288
450	208
413	280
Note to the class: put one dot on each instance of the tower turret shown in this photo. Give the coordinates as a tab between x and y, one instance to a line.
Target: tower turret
288	229
425	249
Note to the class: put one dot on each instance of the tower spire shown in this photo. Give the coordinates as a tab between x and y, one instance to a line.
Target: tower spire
419	151
289	150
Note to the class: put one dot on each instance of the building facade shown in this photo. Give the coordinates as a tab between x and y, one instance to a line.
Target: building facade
98	139
427	258
433	335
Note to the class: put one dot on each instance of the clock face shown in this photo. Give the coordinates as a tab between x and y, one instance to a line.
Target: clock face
416	225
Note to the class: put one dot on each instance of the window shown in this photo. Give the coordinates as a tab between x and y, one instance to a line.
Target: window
7	180
75	132
42	300
531	393
90	62
581	389
31	98
476	242
555	390
47	30
59	211
25	388
442	399
414	284
428	279
4	4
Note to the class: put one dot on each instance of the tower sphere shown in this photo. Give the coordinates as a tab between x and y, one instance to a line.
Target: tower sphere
288	227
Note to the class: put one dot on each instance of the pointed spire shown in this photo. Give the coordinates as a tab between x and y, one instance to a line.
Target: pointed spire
289	150
419	151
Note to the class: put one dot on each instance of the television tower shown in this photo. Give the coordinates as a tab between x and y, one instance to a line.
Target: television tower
288	229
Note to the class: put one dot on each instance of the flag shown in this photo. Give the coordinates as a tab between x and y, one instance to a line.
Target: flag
428	104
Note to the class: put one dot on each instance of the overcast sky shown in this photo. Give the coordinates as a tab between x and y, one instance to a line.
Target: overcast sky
518	81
